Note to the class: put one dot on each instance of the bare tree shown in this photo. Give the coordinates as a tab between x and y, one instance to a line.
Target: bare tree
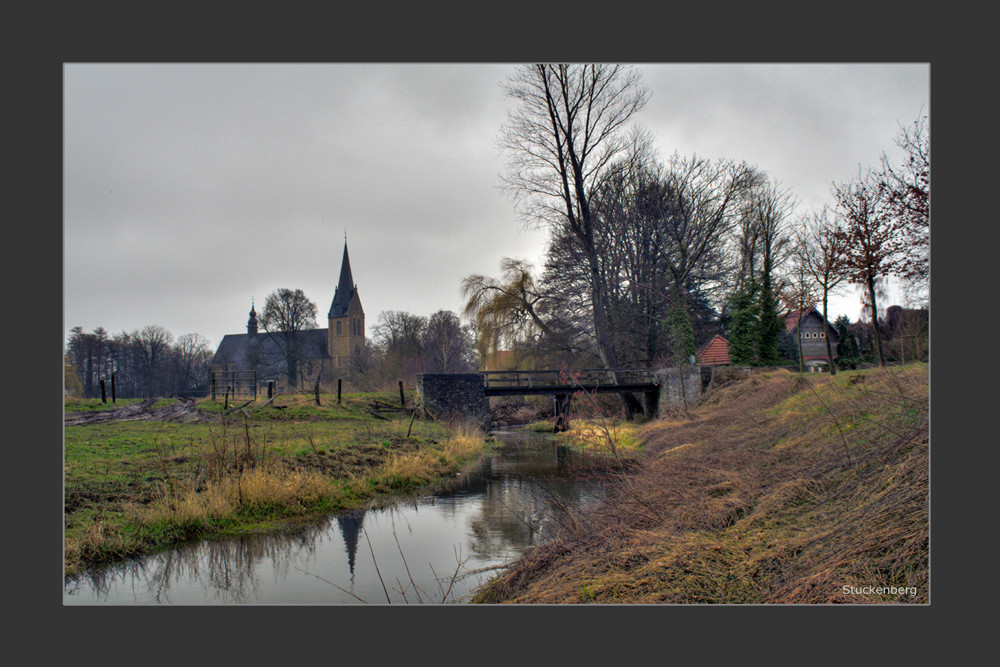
448	344
286	313
193	359
152	344
799	290
566	131
906	191
824	261
766	209
399	332
870	238
700	209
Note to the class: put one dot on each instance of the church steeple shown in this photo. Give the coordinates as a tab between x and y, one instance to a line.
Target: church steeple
346	337
252	322
345	288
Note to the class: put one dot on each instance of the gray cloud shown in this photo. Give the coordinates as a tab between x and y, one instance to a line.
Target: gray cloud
189	189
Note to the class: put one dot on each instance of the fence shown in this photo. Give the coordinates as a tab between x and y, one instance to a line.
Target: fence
234	383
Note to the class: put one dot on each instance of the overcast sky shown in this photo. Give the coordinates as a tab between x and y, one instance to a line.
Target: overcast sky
191	189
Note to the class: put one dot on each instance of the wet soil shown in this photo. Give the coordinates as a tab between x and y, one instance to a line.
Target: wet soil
185	411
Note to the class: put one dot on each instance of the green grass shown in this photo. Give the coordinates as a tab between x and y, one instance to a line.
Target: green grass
117	475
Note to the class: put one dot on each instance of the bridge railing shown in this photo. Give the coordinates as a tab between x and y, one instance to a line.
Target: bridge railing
587	377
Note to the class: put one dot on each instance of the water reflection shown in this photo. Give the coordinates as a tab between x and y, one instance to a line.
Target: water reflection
433	549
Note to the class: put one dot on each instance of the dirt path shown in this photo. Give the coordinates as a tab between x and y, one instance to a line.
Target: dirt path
183	411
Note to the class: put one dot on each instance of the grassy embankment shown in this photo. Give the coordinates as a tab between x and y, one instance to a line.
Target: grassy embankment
777	488
136	486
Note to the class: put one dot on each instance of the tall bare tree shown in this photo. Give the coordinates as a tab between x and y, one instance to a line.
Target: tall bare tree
824	261
766	209
698	212
799	290
906	190
870	239
560	140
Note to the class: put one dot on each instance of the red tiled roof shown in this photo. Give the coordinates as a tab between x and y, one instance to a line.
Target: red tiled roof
792	318
715	352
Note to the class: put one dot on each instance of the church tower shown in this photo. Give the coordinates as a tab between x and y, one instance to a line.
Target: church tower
346	322
252	322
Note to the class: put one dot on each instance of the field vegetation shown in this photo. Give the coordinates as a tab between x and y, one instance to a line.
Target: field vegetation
777	488
143	483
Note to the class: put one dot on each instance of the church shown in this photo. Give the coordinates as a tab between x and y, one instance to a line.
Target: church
324	355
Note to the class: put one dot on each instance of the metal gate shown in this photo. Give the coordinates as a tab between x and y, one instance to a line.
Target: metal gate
234	383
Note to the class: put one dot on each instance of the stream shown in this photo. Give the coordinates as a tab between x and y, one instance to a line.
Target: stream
434	549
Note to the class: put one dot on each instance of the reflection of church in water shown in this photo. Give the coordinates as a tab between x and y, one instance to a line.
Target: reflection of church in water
350	529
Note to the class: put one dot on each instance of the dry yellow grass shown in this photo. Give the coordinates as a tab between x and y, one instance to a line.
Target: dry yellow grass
779	488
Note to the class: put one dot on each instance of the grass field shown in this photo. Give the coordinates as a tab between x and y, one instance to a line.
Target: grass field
139	485
777	488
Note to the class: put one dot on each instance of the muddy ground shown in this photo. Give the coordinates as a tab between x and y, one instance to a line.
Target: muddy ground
185	412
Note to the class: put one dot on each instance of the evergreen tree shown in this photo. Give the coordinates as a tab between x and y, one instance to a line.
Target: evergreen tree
679	325
769	326
744	326
848	353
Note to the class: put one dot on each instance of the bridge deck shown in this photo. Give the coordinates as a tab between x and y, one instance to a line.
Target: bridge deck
520	383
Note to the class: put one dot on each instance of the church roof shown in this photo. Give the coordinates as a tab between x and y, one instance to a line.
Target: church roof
345	288
241	350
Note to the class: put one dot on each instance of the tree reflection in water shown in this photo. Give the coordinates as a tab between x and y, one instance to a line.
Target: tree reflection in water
517	497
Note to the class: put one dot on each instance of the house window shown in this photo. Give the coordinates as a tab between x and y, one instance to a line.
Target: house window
338	331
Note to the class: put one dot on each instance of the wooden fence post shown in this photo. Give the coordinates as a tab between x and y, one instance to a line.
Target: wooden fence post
112	387
402	398
338	391
104	396
213	385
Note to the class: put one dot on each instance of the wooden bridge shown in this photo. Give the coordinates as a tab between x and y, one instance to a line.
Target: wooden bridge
563	384
599	380
467	395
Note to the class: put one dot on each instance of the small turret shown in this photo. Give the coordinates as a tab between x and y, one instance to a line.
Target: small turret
252	322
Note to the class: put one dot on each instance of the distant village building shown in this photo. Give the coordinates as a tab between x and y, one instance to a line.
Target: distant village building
815	330
325	355
714	353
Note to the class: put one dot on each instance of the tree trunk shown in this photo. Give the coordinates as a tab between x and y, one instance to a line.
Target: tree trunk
878	335
798	331
826	335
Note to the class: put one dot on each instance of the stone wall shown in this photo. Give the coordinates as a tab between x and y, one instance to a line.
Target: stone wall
448	396
696	379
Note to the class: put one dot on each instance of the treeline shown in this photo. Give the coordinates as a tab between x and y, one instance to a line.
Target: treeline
145	363
403	344
648	258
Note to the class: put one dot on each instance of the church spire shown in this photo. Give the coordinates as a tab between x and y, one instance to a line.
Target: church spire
345	288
